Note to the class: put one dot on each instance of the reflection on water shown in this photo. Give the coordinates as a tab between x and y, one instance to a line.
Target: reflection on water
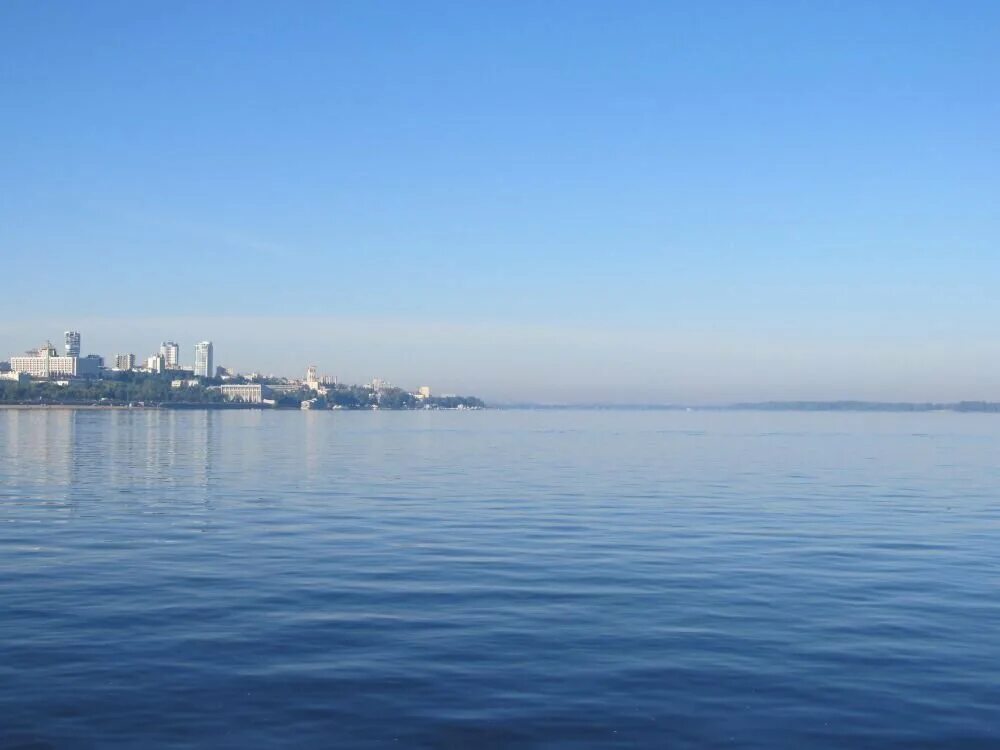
61	450
498	579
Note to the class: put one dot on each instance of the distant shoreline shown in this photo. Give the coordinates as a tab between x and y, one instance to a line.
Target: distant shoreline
888	407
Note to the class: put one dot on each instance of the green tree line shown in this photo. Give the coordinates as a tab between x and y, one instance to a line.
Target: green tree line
136	388
131	388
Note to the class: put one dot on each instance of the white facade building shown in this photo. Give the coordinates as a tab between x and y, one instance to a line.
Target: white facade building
249	393
203	360
45	364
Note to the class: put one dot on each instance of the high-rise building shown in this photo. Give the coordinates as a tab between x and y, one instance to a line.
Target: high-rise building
72	343
203	359
155	363
171	354
124	361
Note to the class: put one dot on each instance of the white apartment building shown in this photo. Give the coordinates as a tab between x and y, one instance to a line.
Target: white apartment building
124	361
170	352
203	360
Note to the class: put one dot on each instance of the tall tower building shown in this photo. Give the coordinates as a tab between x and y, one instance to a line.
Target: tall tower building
171	354
72	343
203	360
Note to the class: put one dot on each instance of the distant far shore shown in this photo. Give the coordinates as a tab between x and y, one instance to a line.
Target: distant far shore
900	407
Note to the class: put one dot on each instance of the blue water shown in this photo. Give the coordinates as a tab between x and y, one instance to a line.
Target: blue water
499	579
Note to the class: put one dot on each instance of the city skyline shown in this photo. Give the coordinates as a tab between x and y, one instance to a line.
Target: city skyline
272	347
45	362
570	204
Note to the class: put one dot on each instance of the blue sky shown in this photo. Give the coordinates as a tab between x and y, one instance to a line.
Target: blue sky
553	201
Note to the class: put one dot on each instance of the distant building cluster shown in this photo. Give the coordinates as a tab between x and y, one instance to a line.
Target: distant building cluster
46	363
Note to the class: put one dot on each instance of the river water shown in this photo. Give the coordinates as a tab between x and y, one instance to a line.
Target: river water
538	579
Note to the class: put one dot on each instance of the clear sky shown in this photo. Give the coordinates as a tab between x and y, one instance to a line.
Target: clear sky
551	201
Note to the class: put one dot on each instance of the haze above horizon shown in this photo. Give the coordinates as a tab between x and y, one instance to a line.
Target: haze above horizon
642	202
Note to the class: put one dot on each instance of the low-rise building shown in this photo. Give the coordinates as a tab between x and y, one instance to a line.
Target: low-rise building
21	378
248	393
284	388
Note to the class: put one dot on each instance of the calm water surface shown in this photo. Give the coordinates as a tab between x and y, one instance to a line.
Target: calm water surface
499	579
